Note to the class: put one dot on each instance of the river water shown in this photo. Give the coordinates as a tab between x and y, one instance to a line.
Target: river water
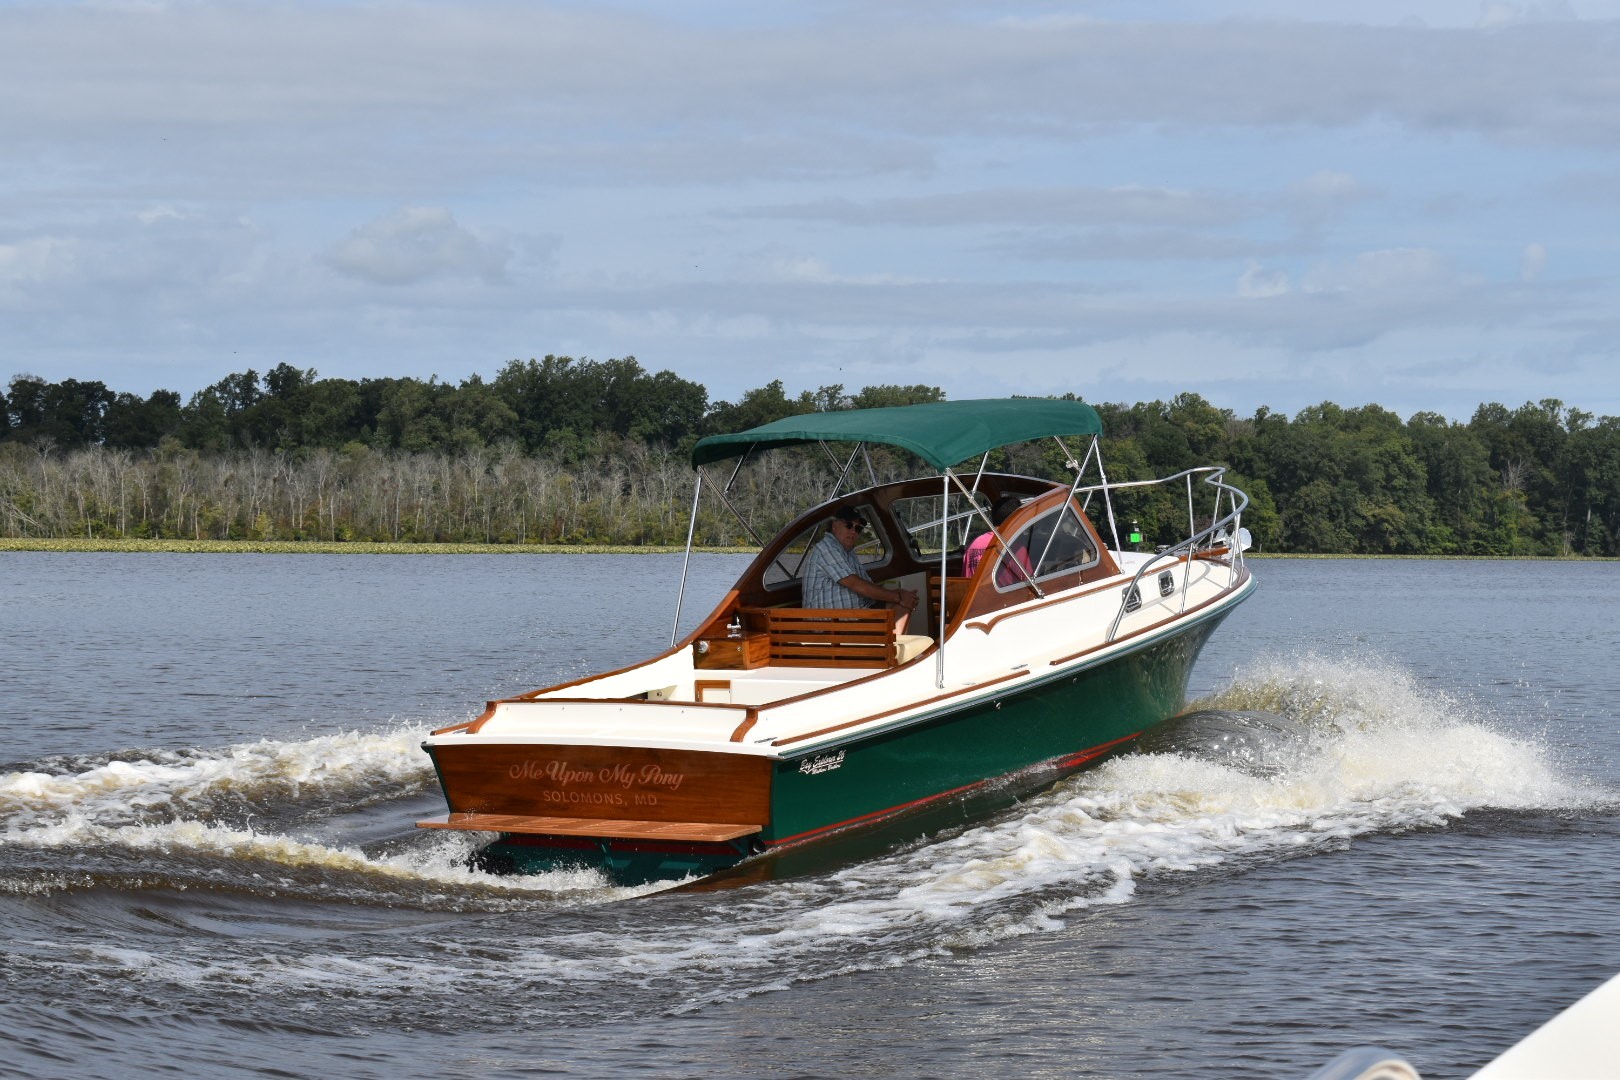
1392	816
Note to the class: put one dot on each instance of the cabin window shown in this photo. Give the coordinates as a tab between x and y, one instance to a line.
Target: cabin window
783	571
1054	543
919	518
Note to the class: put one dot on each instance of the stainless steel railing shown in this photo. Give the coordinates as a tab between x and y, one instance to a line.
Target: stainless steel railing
1227	527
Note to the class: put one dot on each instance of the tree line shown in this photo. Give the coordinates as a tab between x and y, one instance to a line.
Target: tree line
565	450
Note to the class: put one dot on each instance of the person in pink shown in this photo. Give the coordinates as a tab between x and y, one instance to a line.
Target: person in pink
1003	510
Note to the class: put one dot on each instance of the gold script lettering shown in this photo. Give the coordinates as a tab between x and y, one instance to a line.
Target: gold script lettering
562	774
657	777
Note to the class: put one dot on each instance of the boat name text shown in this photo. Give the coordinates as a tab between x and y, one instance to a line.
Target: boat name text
625	776
821	763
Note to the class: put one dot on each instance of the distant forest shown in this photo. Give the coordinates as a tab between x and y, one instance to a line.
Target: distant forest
565	450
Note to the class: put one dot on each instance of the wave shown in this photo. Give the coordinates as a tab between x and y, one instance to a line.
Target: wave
332	771
1298	756
231	818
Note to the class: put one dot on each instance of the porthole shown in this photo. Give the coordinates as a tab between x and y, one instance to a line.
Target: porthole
1167	583
1133	599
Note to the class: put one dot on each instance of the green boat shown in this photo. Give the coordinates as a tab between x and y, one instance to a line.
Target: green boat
1004	644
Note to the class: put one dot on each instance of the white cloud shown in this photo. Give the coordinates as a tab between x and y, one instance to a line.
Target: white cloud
1533	262
155	214
1327	194
1045	206
1121	245
809	269
36	259
1395	271
324	98
1494	14
1259	284
145	259
1329	186
783	191
417	244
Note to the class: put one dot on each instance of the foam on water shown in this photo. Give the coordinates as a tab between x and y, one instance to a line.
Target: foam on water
1369	751
445	864
168	781
172	803
1339	749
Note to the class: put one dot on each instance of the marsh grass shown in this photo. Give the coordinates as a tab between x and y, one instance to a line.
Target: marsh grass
323	547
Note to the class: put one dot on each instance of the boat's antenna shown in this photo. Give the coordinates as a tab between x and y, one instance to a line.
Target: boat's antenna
691	528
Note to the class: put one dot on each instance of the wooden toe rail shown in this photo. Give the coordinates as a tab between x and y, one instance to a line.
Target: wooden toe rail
827	637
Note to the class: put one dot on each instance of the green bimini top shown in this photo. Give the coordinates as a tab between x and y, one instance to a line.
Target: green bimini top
942	433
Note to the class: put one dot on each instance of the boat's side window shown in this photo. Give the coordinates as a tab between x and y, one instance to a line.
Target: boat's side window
1054	543
784	570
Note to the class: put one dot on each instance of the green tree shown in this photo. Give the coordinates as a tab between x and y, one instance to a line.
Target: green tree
760	406
888	396
1458	469
69	413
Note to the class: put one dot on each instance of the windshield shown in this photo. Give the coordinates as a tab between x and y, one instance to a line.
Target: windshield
1054	543
919	517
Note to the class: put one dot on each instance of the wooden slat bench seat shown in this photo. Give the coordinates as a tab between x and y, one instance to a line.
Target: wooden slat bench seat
603	827
827	637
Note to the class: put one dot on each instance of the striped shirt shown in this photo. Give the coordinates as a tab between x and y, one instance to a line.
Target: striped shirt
828	564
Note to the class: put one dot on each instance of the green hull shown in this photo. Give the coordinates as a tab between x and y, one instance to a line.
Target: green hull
960	756
1056	725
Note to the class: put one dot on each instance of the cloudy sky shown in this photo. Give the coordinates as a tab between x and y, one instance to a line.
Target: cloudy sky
1412	204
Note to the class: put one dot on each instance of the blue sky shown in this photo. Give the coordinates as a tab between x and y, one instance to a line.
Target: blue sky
1412	205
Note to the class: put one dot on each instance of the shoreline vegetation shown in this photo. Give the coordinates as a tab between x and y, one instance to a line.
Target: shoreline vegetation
359	547
580	455
363	547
